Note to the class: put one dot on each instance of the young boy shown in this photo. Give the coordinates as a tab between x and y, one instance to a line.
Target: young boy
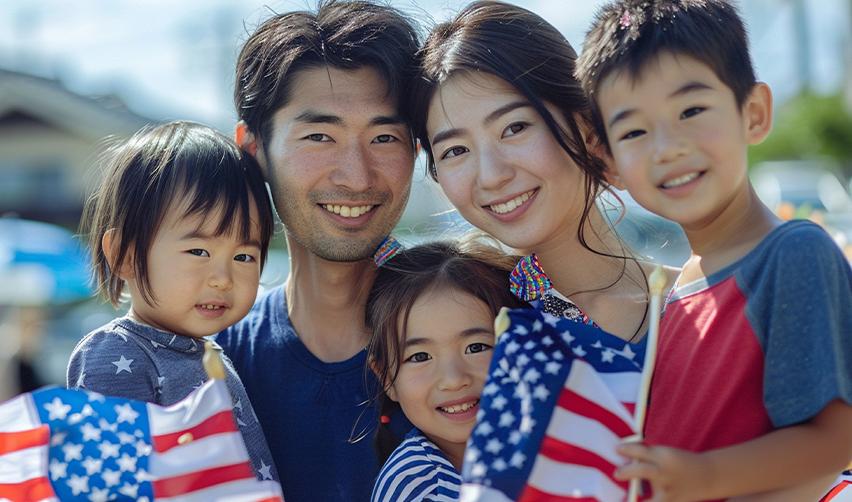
752	389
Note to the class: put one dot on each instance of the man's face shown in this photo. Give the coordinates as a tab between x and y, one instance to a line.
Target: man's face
339	160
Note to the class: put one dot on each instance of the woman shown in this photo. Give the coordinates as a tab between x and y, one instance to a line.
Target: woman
505	127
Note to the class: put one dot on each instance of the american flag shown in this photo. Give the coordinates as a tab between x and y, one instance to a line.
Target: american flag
842	489
559	399
60	444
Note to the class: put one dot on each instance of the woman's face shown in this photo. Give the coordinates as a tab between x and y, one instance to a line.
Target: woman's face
499	164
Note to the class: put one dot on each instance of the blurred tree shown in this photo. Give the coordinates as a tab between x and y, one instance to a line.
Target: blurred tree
809	126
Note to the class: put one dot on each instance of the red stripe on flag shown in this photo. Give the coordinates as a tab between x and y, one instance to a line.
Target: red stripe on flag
31	489
578	404
532	494
21	440
567	453
219	423
199	480
631	408
836	491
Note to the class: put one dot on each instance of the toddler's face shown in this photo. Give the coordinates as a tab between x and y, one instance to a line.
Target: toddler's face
678	139
445	362
202	282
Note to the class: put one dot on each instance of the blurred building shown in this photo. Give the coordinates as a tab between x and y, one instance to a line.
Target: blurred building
49	139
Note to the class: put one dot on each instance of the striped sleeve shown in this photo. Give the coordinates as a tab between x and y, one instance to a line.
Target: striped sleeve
417	471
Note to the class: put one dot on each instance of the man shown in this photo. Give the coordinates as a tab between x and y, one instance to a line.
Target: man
318	97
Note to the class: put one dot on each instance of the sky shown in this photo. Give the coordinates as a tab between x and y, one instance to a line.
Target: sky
172	59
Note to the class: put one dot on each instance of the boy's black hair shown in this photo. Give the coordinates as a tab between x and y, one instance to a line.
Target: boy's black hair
168	167
347	35
626	35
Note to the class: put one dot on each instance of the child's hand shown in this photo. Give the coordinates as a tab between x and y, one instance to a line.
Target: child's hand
675	475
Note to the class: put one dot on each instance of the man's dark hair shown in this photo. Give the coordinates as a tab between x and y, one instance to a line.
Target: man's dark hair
175	166
626	35
347	35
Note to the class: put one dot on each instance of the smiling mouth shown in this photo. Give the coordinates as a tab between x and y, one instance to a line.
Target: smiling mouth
210	306
348	211
511	205
459	408
681	180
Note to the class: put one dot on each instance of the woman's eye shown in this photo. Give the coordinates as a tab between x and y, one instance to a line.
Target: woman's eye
418	357
385	138
477	347
633	134
454	152
198	252
245	257
318	137
690	112
515	128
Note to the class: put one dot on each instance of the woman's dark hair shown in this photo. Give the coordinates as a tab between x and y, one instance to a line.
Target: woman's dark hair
347	35
521	48
175	165
471	267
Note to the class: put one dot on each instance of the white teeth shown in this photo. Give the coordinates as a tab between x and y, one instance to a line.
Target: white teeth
680	180
348	211
459	408
511	205
211	307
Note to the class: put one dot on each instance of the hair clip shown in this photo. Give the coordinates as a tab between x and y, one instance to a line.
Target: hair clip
387	250
384	419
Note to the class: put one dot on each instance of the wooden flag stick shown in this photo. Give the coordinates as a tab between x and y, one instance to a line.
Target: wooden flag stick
656	285
212	361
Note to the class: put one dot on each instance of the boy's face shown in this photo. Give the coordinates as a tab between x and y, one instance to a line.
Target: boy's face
678	139
202	283
340	161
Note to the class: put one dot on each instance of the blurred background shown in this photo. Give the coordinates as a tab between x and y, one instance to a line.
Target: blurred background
75	74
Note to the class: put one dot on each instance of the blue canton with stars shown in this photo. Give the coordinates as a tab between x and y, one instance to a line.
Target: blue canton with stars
99	446
531	362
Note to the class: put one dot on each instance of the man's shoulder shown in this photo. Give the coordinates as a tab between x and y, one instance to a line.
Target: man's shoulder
267	318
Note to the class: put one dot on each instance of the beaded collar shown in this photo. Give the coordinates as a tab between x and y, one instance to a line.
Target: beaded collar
530	283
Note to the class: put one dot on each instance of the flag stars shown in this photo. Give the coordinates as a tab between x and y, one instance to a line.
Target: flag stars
127	463
579	351
607	356
58	469
111	478
108	450
126	413
123	364
92	466
537	325
520	330
99	495
90	432
72	451
532	375
484	429
527	424
129	490
552	368
56	409
78	484
499	465
493	446
478	470
628	352
512	347
507	418
541	393
499	403
125	438
517	460
142	448
515	437
522	360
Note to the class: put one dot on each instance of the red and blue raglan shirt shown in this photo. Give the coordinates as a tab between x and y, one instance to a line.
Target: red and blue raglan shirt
764	343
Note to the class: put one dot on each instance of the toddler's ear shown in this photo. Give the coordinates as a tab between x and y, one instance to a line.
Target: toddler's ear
599	150
109	245
389	389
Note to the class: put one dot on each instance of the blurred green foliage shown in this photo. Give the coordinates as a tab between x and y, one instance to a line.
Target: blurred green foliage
809	126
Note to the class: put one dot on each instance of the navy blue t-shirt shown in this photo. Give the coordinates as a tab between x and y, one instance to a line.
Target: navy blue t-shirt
310	411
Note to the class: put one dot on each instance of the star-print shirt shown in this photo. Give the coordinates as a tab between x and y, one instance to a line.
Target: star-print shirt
127	359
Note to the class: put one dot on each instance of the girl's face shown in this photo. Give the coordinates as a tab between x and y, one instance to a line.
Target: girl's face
203	283
499	164
446	351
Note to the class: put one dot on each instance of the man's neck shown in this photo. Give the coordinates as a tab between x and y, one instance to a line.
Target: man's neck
728	236
326	301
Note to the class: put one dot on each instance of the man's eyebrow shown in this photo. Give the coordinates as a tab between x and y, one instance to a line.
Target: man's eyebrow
312	117
490	118
388	120
687	88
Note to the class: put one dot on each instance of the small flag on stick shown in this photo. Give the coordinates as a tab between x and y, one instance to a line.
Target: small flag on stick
61	444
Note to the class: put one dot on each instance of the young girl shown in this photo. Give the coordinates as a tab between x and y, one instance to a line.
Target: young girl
431	312
180	223
505	126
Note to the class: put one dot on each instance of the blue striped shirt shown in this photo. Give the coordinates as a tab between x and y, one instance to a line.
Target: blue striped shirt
417	471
